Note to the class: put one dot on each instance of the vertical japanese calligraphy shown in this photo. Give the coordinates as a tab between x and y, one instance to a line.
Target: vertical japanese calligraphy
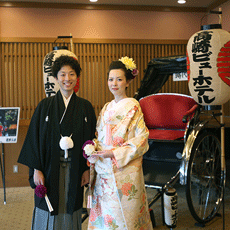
50	83
170	207
208	66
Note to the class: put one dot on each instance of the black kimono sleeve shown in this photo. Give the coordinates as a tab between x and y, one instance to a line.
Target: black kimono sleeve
30	154
89	132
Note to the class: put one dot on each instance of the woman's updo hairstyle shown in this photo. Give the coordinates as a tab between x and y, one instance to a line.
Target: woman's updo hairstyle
120	65
127	65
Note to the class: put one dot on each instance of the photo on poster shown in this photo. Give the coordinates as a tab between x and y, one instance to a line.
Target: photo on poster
9	124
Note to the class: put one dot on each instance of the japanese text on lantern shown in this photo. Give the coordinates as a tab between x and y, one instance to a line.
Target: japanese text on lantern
174	208
201	53
49	86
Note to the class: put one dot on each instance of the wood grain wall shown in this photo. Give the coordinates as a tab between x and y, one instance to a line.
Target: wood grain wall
22	74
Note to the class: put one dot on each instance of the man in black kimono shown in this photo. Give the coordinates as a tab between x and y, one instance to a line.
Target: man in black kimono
62	115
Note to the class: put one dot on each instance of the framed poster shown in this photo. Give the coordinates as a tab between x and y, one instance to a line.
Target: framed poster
9	124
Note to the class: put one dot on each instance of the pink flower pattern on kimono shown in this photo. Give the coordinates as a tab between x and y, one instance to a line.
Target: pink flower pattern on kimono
118	141
143	198
131	112
94	213
129	190
110	222
143	215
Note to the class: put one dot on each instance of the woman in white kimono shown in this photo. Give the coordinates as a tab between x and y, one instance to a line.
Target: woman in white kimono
119	198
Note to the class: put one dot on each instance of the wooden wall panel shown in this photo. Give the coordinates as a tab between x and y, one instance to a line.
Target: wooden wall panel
22	74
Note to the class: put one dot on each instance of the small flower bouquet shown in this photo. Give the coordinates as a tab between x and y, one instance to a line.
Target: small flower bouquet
88	148
41	191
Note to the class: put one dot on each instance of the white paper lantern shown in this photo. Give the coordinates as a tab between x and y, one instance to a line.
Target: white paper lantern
50	83
170	207
208	65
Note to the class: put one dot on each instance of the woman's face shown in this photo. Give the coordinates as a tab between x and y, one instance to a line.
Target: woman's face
117	83
67	79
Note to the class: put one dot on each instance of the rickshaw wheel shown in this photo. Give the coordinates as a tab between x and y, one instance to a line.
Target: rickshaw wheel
205	180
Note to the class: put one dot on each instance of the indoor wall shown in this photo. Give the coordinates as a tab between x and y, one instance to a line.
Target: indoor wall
28	34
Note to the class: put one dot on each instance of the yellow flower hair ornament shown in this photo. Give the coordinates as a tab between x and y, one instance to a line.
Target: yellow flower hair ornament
130	65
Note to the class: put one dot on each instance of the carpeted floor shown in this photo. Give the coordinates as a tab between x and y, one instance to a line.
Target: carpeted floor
17	212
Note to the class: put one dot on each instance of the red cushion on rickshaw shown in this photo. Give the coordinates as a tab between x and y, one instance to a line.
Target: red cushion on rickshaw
163	114
157	134
166	110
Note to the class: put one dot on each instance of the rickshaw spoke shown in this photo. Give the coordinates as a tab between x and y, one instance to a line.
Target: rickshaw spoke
205	183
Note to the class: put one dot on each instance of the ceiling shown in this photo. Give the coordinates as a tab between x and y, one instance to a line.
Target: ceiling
189	3
208	4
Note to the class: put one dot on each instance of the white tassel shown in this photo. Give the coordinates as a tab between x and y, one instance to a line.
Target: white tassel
65	144
48	203
66	153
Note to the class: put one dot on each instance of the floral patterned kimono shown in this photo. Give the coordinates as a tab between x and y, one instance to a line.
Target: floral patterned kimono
119	198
